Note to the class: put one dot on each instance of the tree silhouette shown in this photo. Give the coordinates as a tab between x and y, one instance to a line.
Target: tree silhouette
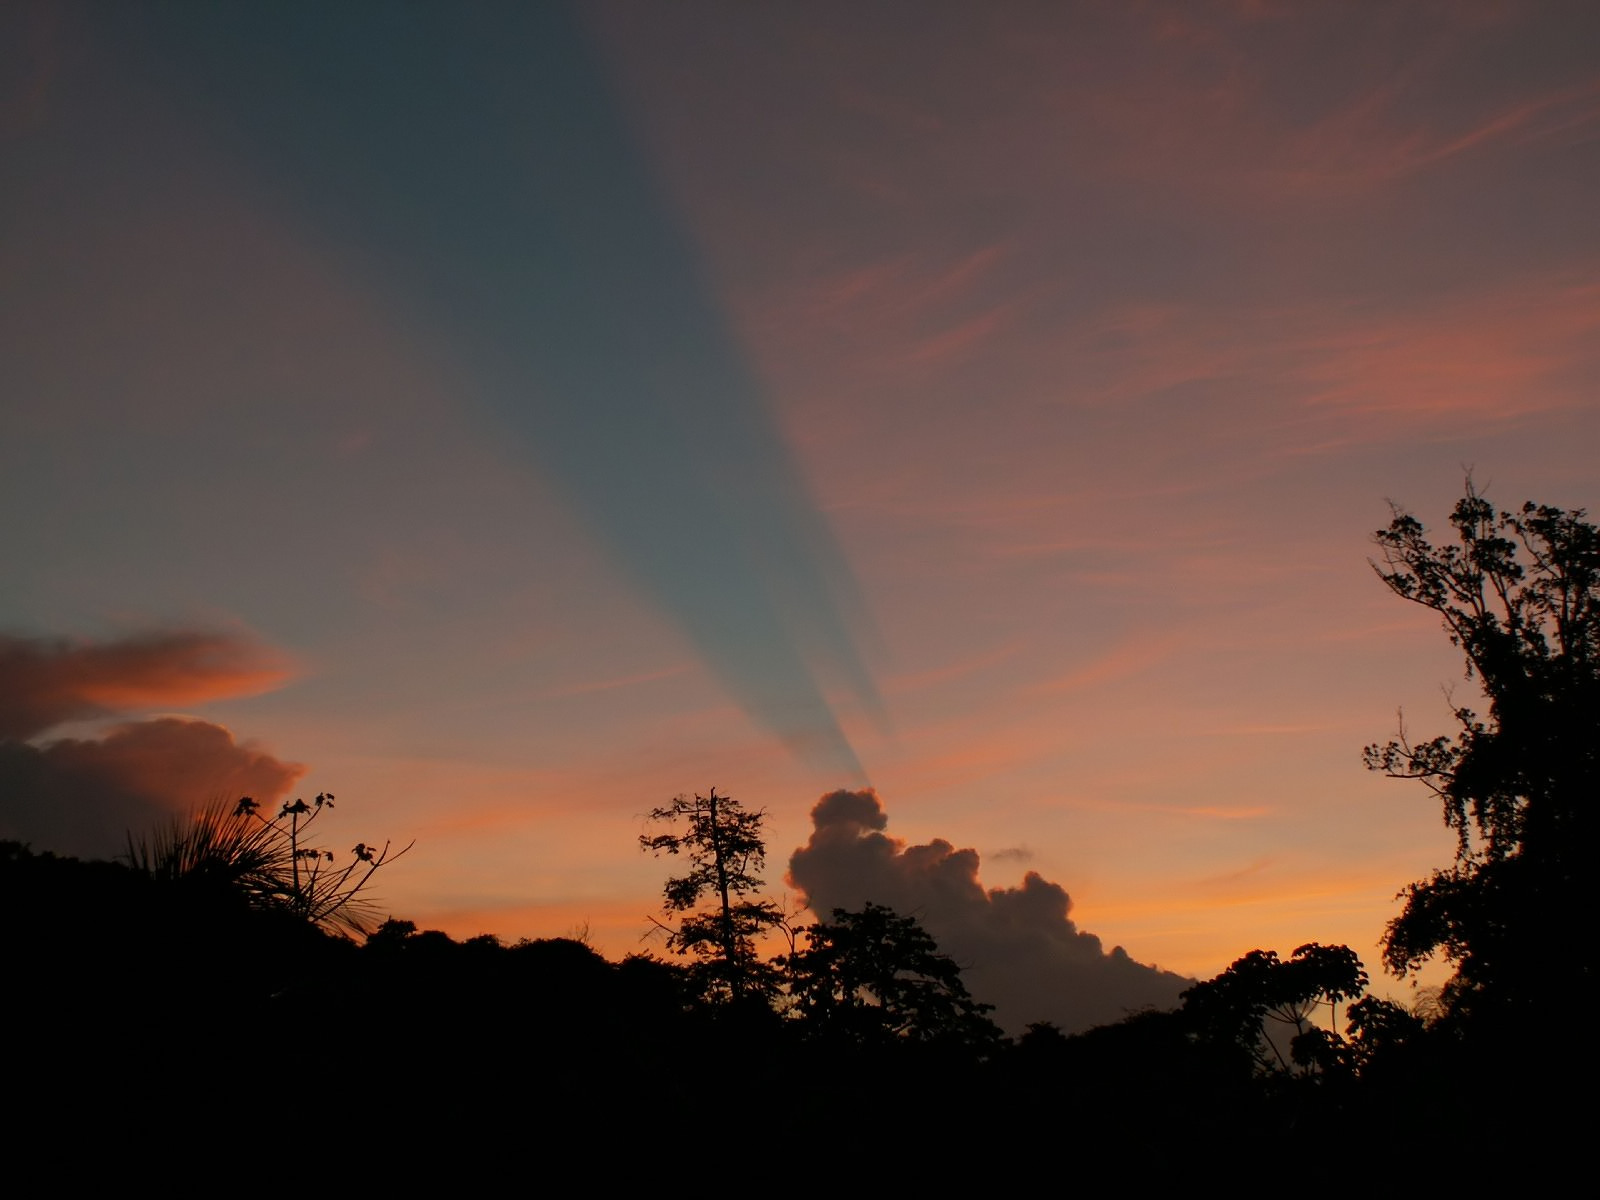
1520	595
875	976
726	854
1240	1006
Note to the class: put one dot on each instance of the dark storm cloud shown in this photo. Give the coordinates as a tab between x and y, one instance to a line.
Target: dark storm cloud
82	797
471	163
44	683
1018	946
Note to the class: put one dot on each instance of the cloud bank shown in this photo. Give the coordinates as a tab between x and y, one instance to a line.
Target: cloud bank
1018	946
82	795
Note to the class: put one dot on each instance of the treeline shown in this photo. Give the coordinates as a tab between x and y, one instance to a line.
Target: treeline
147	1001
147	1008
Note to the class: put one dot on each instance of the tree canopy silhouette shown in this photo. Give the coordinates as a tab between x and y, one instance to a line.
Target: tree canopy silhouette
726	854
874	976
1520	595
1240	1007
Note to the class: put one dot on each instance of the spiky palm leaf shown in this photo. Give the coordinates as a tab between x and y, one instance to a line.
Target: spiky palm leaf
233	847
218	845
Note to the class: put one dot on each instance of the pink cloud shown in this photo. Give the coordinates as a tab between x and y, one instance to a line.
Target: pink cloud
1130	658
1320	371
83	797
45	683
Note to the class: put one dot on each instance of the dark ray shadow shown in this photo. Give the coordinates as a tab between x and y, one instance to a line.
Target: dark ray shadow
472	162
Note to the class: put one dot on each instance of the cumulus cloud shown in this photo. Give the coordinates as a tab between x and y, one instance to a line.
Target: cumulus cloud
81	796
1019	947
46	683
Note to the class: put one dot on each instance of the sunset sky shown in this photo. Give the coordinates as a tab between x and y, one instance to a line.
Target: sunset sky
515	416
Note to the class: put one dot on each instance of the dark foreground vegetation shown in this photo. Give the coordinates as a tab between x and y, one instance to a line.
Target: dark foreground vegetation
209	1000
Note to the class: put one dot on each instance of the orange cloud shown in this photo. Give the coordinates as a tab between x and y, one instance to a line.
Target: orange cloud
46	683
950	672
1496	357
1130	658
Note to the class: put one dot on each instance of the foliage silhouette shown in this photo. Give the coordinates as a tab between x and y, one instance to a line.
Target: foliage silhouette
235	847
726	854
874	976
1241	1006
1519	594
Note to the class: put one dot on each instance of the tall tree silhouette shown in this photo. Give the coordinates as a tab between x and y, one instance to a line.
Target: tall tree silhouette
720	914
1520	595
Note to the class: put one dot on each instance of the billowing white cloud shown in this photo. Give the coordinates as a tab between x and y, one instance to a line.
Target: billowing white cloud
1018	946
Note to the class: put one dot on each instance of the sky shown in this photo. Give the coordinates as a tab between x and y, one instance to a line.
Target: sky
956	430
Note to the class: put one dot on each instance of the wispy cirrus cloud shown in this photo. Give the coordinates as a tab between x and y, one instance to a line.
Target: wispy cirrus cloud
1318	373
1130	658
